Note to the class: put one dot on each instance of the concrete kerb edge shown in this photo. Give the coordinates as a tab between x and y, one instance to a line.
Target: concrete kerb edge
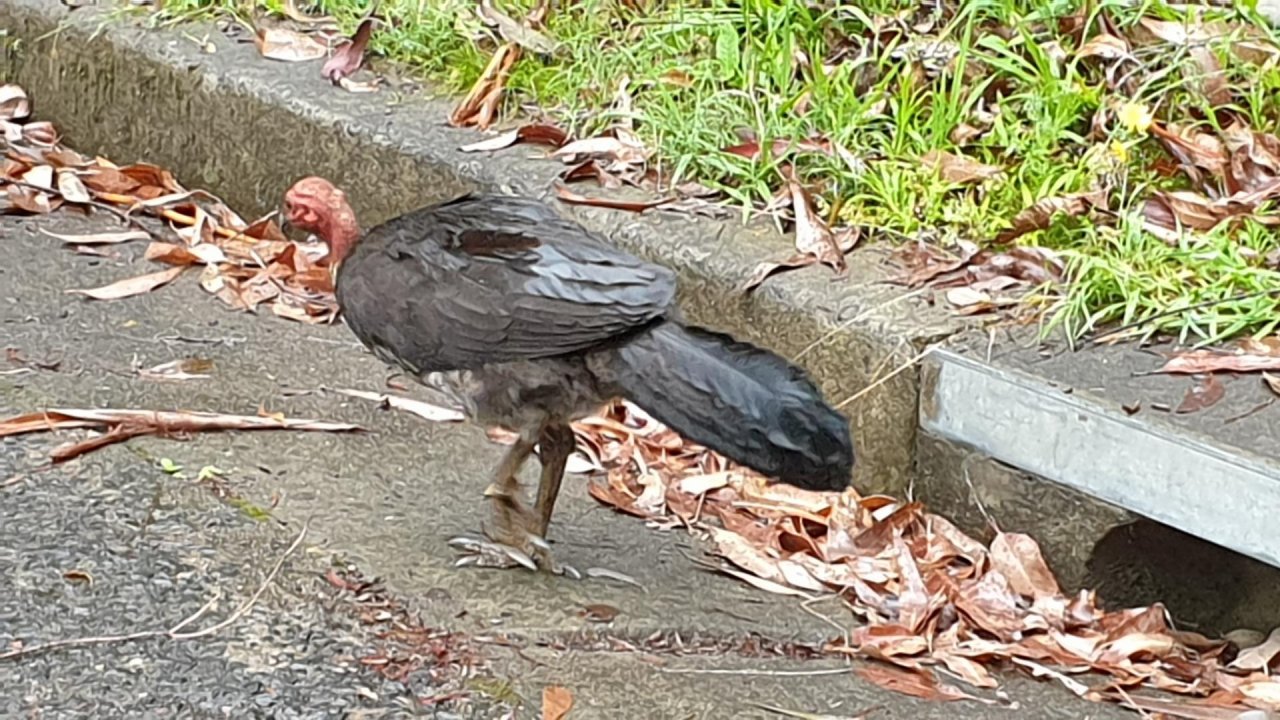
1139	464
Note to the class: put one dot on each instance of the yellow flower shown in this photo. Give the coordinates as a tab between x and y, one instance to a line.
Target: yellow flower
1136	117
1119	151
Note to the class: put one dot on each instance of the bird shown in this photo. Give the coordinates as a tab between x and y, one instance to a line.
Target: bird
528	322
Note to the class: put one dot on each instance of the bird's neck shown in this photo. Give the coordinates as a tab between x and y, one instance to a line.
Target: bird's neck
342	233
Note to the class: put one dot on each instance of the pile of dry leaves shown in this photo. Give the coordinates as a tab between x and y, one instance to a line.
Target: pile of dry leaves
245	264
930	597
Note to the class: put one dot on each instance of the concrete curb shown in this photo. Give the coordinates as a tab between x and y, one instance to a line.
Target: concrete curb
1169	474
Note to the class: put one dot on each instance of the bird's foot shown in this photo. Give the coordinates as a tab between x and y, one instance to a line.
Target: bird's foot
533	554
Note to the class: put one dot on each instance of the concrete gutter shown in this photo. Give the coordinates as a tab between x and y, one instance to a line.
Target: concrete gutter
245	128
1216	492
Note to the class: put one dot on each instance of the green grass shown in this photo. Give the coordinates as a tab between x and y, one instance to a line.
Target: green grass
740	66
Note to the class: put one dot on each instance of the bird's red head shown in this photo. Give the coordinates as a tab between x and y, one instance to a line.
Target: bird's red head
316	205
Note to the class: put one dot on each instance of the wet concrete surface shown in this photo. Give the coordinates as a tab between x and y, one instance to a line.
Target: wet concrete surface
386	500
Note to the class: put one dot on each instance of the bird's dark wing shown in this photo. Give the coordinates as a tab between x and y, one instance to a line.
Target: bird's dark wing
485	279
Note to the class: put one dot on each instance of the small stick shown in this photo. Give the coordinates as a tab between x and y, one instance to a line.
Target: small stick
896	371
174	216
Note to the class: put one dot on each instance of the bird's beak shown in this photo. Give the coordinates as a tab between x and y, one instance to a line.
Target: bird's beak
284	220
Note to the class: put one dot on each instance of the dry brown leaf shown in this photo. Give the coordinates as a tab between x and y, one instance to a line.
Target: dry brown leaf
109	180
1190	147
540	134
1155	645
1183	208
171	254
968	670
183	369
990	604
1209	361
350	55
13	103
288	45
1018	558
573	198
1212	80
1182	33
965	296
1038	670
480	106
556	702
105	238
132	286
72	189
945	541
913	596
886	642
916	683
1254	158
699	484
29	201
1041	214
740	552
1259	657
1264	691
1204	394
146	174
621	146
768	586
752	149
599	613
958	168
815	243
1105	46
40	133
813	235
40	176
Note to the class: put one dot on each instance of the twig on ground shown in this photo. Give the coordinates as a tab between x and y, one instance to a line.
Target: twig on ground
174	632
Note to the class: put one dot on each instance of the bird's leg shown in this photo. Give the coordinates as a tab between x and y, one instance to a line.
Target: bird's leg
512	531
557	443
511	519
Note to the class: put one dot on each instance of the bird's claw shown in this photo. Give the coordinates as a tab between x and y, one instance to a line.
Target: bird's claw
478	552
484	553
